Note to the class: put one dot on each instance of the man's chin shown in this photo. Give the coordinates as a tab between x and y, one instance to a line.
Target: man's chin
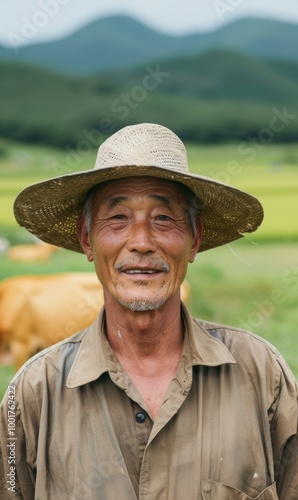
142	305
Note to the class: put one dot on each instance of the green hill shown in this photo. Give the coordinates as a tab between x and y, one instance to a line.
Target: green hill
121	42
209	97
220	74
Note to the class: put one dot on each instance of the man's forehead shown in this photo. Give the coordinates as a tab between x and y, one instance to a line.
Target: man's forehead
153	187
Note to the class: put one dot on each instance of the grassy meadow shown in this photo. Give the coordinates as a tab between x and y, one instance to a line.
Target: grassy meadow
251	283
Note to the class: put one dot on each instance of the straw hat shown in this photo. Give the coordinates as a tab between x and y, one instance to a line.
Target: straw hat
50	209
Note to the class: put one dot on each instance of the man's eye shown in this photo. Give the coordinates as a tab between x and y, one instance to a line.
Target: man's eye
118	217
163	217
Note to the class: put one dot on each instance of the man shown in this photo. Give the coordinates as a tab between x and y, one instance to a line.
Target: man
148	402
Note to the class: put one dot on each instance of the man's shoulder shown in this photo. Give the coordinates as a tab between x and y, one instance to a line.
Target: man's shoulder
243	344
235	335
52	359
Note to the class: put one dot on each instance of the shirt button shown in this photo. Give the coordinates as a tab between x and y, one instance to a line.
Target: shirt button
140	417
207	487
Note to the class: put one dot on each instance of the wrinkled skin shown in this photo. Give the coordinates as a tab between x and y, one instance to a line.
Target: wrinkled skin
140	241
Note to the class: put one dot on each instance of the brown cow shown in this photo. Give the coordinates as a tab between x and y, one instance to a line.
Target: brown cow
37	252
38	311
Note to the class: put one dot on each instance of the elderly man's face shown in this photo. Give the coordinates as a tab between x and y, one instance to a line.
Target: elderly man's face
140	240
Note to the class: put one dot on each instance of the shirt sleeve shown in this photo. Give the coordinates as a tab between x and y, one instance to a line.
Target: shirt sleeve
284	435
16	477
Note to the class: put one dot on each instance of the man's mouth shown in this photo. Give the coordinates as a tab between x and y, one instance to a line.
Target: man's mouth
154	267
141	271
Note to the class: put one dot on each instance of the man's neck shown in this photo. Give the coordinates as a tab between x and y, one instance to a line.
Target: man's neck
148	345
144	335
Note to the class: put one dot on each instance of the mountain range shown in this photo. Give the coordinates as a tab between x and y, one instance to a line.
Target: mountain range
122	42
213	96
223	85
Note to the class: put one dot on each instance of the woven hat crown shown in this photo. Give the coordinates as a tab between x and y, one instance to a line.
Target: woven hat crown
148	145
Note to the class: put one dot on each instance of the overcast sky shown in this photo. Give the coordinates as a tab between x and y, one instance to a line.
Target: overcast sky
52	19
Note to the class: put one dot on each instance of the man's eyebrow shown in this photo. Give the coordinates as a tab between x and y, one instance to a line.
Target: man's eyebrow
160	197
116	200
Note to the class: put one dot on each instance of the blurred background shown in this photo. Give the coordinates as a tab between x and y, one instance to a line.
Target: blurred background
222	74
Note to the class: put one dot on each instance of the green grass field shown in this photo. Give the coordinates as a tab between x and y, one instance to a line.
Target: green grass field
252	283
271	174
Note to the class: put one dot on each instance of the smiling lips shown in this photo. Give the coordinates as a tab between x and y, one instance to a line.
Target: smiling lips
156	267
142	276
142	271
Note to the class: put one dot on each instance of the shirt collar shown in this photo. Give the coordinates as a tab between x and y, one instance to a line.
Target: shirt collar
205	349
90	361
93	356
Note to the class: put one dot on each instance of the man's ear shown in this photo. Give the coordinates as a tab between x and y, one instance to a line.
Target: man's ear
84	237
197	239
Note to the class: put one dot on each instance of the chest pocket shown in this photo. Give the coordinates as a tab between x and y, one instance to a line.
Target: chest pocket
217	491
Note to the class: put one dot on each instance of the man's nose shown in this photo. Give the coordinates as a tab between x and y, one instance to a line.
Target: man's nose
141	238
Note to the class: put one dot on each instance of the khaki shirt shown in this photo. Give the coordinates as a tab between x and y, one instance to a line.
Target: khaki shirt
226	430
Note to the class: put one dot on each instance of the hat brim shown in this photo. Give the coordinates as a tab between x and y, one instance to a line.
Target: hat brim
50	209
